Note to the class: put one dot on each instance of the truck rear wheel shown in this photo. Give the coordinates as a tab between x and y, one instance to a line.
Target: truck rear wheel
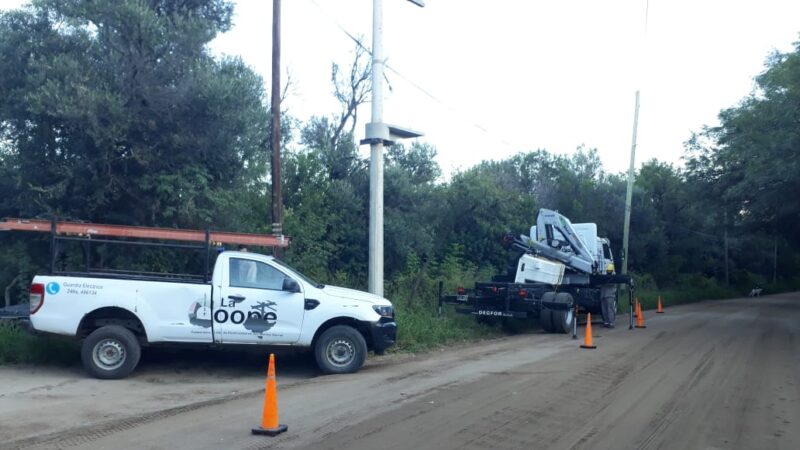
110	352
545	314
340	349
486	320
562	319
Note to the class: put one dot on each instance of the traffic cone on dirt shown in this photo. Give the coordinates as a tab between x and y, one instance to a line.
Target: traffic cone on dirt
269	416
587	338
639	316
660	309
636	308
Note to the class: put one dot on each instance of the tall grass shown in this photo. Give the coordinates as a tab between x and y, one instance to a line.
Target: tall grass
689	289
18	346
414	293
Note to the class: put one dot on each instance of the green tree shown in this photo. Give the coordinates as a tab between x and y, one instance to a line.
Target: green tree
753	153
115	111
412	203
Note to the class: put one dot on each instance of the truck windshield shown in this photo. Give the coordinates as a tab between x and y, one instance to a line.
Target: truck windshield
298	273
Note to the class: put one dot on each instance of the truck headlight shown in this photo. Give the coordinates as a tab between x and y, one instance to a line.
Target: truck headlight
384	311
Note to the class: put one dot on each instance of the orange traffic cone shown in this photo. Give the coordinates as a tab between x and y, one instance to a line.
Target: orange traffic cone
269	417
636	308
639	316
660	309
587	339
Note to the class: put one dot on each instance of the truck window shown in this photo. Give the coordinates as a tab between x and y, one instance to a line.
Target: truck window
247	273
607	252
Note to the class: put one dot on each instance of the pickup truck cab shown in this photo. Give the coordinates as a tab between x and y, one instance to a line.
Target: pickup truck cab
251	299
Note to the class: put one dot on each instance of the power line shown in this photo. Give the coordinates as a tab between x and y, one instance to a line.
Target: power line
415	85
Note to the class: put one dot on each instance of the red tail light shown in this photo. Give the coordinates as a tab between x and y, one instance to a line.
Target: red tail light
494	289
36	297
461	291
523	293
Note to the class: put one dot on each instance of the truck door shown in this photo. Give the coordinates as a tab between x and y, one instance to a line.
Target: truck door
253	308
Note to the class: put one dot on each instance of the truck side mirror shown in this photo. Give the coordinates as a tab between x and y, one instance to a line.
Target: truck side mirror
290	285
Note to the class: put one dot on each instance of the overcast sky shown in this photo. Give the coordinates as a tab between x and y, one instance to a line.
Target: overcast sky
518	75
504	76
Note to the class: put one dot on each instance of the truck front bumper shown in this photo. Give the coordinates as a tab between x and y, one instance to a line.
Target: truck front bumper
384	334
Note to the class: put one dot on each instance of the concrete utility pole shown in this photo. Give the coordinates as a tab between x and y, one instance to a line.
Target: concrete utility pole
376	156
379	134
277	197
629	191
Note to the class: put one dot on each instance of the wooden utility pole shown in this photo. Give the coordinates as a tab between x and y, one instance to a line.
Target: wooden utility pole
626	226
277	198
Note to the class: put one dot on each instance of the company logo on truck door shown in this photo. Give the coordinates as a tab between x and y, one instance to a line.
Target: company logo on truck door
257	320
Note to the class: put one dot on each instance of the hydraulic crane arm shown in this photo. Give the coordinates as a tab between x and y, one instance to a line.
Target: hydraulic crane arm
528	245
550	226
547	223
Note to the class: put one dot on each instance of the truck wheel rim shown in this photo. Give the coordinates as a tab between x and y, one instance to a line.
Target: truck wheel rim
108	354
341	352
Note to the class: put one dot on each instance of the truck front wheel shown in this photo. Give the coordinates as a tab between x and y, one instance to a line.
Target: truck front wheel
340	349
110	352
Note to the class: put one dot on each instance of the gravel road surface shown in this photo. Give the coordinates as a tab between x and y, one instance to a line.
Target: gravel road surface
712	375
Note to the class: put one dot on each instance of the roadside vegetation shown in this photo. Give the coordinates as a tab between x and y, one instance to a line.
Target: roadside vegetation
18	346
139	124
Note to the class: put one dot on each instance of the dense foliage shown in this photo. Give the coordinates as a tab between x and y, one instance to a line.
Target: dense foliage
116	112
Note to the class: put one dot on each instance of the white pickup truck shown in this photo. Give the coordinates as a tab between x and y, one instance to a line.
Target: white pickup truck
250	299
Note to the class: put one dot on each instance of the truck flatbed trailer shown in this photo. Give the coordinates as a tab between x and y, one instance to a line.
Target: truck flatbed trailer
529	301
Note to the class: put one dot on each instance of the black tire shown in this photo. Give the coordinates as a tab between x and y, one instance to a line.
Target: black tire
340	349
562	319
545	314
511	325
110	352
486	320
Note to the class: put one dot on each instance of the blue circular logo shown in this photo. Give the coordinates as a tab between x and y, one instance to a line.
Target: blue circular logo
52	288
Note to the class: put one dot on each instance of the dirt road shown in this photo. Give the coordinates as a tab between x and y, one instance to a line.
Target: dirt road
721	374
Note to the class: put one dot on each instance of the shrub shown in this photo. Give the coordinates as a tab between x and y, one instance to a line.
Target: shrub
17	346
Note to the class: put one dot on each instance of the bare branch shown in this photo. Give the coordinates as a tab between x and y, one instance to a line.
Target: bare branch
352	93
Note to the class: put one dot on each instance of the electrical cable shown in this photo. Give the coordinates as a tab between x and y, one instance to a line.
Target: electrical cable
425	92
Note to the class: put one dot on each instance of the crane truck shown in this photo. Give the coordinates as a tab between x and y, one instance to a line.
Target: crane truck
559	270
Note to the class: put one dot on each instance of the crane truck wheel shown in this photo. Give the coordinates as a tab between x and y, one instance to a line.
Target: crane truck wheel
562	319
486	320
545	314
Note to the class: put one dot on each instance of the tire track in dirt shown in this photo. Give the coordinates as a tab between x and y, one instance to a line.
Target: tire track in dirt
711	375
645	389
